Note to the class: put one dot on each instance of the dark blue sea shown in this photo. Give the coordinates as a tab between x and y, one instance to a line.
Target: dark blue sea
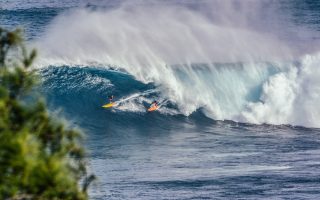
238	83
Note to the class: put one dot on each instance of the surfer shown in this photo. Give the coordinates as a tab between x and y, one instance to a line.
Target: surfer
111	98
154	104
111	103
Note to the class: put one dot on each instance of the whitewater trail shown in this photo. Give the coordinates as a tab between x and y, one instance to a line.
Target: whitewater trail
134	102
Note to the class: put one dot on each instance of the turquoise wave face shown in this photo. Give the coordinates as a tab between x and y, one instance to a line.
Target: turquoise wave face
242	92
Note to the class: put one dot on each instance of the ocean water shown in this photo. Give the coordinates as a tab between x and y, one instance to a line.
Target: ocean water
237	81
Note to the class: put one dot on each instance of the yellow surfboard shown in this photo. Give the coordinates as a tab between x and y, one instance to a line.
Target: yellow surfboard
108	105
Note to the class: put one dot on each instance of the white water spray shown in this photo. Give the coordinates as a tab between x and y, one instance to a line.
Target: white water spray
165	44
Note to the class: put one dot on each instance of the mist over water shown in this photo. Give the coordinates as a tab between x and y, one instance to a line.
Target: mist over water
232	59
149	34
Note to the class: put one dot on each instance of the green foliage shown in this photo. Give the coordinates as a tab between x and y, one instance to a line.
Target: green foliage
39	157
